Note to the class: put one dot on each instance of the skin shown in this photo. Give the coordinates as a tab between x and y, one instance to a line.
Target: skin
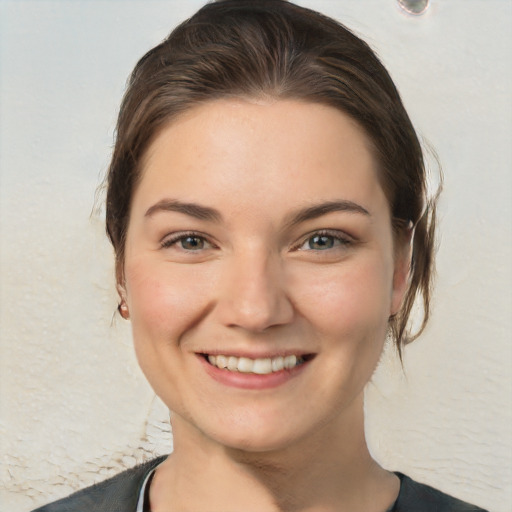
252	282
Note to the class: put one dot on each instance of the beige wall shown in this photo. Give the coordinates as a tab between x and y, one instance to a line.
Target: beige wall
74	406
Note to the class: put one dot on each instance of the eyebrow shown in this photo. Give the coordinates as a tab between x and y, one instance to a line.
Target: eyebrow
211	214
192	209
318	210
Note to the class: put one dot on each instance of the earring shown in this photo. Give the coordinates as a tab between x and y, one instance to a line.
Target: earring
123	310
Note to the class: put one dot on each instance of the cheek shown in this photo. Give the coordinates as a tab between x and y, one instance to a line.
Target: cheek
351	298
163	302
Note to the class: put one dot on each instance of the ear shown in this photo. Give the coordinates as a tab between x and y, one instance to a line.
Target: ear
121	291
120	279
123	306
402	269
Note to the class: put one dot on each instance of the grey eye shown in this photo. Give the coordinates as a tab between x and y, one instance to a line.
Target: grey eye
414	6
319	242
192	243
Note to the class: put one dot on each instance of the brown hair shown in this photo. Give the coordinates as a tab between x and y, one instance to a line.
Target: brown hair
254	48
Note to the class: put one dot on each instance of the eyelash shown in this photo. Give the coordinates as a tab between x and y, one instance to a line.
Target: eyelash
343	239
175	238
337	236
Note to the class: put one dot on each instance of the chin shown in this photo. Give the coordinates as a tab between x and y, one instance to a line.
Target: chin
250	430
264	433
258	443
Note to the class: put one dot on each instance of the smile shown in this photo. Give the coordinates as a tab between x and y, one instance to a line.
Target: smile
262	366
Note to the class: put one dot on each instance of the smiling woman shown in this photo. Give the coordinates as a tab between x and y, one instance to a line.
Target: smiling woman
258	281
267	205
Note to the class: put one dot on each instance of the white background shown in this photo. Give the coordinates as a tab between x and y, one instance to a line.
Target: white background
74	405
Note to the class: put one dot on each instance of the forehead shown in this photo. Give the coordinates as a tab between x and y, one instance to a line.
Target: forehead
260	151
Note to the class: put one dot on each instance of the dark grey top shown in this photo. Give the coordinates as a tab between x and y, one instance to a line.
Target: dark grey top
121	493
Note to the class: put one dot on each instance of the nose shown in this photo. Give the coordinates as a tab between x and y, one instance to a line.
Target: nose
254	295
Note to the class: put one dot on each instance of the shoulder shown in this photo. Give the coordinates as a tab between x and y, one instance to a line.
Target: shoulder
417	497
117	494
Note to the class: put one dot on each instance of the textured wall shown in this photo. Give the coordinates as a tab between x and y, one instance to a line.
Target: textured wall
74	406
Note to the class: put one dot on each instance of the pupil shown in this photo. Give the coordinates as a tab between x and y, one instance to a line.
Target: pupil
192	242
322	242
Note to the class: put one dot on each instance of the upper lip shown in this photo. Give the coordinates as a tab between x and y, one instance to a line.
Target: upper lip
256	354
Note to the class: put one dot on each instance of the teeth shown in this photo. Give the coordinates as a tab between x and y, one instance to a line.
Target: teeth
245	365
233	363
277	364
262	366
290	361
258	366
222	362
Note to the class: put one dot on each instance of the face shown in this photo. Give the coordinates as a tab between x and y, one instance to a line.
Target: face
260	239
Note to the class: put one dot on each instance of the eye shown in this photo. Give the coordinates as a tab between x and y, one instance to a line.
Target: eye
324	240
190	242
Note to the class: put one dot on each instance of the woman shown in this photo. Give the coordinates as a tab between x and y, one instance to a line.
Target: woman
267	206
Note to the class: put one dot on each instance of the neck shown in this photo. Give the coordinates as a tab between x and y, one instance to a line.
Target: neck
331	470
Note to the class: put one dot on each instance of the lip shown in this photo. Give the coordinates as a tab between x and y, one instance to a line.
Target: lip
252	380
256	354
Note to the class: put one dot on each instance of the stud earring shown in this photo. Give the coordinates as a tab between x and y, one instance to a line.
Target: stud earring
123	310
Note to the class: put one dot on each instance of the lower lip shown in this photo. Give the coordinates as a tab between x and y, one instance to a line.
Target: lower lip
252	380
